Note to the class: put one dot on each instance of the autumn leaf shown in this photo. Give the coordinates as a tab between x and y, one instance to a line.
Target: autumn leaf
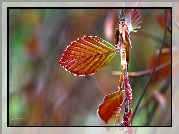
111	103
87	55
164	58
133	19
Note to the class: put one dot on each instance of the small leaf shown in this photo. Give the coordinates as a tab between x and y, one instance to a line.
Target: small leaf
87	55
111	103
133	19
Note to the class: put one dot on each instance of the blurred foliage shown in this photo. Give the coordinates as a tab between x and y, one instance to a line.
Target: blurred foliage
42	93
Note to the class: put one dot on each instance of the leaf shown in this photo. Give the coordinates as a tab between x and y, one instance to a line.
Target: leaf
164	72
87	55
111	103
133	19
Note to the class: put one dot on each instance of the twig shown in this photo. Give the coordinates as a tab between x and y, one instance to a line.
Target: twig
145	72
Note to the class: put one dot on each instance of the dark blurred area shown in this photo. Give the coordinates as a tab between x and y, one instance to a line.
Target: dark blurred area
42	93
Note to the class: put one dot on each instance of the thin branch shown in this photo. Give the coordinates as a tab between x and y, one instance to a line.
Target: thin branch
145	89
145	72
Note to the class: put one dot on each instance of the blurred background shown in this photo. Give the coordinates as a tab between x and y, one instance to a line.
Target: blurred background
42	93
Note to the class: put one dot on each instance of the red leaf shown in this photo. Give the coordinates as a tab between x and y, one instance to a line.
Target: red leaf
111	103
87	55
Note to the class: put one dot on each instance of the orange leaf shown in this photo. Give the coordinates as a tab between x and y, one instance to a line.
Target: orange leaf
111	103
87	55
164	57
